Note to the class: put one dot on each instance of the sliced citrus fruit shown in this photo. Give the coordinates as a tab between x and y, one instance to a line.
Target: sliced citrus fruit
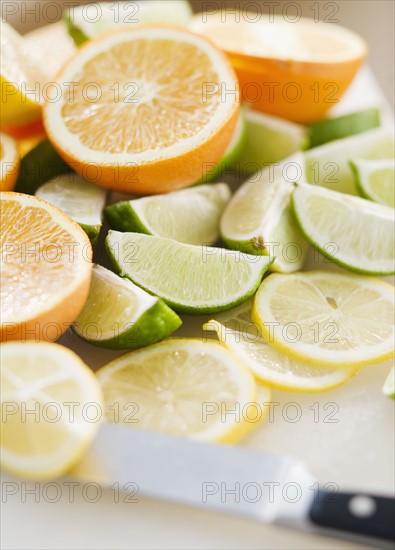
46	269
375	180
161	91
389	384
327	318
21	80
192	279
9	162
182	386
79	199
295	69
92	20
241	335
268	139
328	165
66	401
356	233
189	216
119	314
329	129
259	220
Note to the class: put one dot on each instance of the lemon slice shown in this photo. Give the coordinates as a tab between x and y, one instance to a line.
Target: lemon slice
52	381
188	216
183	387
241	335
9	162
353	232
327	319
258	219
375	180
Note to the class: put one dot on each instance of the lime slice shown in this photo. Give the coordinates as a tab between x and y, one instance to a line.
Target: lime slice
389	384
184	387
344	126
79	199
48	379
238	332
327	319
119	314
259	220
192	279
268	139
39	165
375	180
328	165
356	233
217	170
91	20
189	216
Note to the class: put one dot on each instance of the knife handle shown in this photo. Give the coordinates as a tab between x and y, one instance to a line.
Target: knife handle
358	514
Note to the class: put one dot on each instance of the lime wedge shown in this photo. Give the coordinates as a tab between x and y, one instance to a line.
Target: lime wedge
344	126
217	169
79	199
268	139
192	279
389	384
39	165
328	165
375	180
258	218
91	20
120	315
189	216
356	233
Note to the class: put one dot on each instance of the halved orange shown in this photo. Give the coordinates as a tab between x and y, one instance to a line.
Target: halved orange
151	110
295	69
9	162
46	265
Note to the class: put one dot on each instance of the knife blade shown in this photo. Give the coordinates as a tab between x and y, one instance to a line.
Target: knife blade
266	487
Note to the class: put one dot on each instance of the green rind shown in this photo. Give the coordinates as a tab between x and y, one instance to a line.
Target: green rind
157	323
330	129
92	231
40	165
78	36
245	246
123	217
358	183
388	388
183	308
329	256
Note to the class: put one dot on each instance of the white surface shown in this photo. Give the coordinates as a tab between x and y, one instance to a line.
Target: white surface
355	452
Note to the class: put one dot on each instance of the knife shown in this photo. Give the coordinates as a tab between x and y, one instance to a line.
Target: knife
263	486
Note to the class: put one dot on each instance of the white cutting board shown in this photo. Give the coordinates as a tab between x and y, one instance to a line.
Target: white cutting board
345	436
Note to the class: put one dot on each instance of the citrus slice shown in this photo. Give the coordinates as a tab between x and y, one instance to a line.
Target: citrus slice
119	314
344	126
66	401
294	68
46	269
92	20
389	384
192	279
327	318
188	216
375	180
328	165
21	80
353	232
182	386
9	162
79	199
268	139
40	42
259	220
160	89
40	164
241	335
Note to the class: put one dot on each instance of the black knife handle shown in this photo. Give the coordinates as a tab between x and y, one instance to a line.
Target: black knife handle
359	514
